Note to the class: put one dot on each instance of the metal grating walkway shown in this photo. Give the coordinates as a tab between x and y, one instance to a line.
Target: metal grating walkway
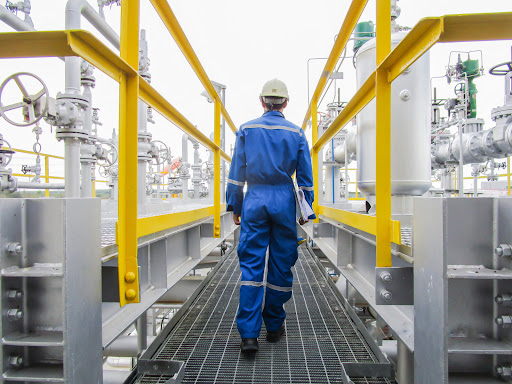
320	335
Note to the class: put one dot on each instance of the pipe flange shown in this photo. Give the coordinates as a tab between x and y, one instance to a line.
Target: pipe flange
73	98
499	112
71	133
146	136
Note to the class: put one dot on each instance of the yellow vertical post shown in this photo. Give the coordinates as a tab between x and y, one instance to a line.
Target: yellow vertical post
508	174
216	171
314	154
383	137
47	175
128	110
94	188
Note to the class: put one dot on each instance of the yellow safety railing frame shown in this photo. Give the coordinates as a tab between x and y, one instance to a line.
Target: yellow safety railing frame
390	64
123	68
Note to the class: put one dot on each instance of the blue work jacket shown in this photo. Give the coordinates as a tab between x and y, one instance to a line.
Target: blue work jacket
268	150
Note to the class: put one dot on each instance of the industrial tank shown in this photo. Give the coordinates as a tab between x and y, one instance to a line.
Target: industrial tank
410	126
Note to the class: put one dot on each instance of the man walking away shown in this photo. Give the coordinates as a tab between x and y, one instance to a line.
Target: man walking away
268	151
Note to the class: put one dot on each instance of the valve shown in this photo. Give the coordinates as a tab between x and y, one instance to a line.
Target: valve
161	153
106	157
34	105
501	69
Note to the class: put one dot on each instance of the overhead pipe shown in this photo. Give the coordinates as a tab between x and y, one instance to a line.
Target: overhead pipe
14	21
75	9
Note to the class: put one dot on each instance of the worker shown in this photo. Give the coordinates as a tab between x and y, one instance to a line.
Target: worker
268	151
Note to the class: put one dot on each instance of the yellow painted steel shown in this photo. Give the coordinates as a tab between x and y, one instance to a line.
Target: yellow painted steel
86	45
314	158
159	103
383	137
47	174
216	172
354	12
33	153
165	12
363	96
128	112
149	225
363	222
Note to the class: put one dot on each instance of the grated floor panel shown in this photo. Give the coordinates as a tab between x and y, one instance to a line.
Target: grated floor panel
320	335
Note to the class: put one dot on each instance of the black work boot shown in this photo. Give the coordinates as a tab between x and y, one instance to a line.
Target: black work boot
274	337
249	345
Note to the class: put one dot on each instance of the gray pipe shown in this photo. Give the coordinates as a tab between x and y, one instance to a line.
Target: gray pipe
76	8
114	377
125	346
30	185
72	166
14	21
184	159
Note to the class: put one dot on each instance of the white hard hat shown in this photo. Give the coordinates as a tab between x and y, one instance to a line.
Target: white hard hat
276	88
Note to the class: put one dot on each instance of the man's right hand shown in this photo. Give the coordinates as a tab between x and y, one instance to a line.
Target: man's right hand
236	219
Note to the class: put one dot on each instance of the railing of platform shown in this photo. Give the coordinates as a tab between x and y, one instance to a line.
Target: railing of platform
389	65
124	69
47	177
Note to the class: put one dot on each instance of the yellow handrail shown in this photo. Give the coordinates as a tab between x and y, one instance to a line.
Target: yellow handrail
390	64
124	69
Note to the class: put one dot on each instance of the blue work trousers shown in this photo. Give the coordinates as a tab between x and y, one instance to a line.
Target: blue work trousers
268	221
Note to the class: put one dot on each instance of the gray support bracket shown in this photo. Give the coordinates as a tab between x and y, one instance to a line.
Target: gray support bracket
323	230
394	286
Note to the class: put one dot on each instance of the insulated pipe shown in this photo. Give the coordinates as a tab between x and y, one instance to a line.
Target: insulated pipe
14	21
184	159
74	11
125	346
115	376
72	167
29	185
76	8
86	166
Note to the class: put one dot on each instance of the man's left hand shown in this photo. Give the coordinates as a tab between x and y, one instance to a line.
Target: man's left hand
236	219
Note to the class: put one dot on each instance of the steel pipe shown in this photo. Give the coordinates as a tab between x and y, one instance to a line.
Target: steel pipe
30	185
13	21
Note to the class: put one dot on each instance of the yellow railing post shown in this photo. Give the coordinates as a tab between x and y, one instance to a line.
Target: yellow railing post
383	137
314	155
128	111
47	175
216	171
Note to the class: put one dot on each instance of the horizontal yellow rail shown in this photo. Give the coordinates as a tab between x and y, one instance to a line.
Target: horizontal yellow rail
86	45
173	26
148	225
354	12
33	153
419	40
365	223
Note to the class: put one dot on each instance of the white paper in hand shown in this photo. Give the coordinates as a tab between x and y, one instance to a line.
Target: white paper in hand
303	210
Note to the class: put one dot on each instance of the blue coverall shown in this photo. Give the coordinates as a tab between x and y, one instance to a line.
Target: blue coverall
268	151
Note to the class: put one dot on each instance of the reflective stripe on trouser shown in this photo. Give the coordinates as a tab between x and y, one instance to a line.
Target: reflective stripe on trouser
268	220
